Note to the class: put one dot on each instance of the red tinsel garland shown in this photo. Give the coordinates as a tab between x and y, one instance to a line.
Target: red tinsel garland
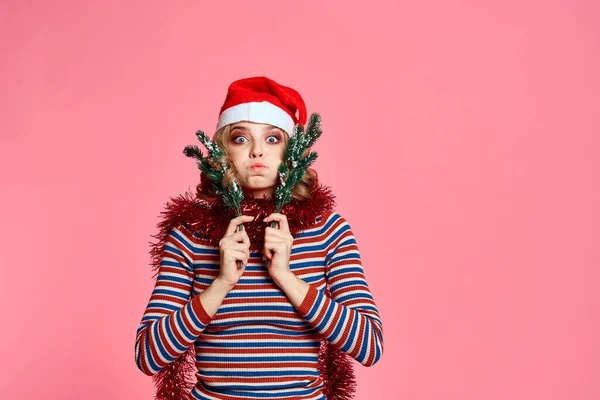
209	220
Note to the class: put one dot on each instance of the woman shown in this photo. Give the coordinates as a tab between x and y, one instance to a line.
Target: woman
256	331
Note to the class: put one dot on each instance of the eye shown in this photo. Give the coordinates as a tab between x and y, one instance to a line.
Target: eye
276	137
236	139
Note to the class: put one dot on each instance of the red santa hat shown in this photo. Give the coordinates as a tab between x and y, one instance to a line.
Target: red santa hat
262	100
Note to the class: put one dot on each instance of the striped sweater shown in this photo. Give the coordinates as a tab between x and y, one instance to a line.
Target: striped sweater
258	345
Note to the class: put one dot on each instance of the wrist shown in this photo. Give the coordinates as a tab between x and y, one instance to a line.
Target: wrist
221	284
285	279
293	287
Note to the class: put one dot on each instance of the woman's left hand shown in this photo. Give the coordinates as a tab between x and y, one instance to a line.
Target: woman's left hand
279	240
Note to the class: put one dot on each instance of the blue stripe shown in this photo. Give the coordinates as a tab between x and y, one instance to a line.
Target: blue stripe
274	320
198	250
204	280
312	279
142	325
255	268
283	332
160	304
363	344
256	359
159	344
179	322
170	278
175	342
149	319
348	240
257	308
377	350
315	306
342	257
357	282
257	374
330	304
252	345
365	295
306	264
346	270
205	265
319	232
193	317
171	247
340	231
255	281
340	325
352	335
172	293
153	366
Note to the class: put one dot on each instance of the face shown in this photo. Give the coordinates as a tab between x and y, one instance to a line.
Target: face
256	150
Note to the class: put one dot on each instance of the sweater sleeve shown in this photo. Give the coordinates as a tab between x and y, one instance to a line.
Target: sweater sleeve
349	319
172	321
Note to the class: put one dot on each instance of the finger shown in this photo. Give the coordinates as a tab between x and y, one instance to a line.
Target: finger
275	245
238	247
281	219
271	232
240	237
233	239
245	238
233	224
239	256
266	252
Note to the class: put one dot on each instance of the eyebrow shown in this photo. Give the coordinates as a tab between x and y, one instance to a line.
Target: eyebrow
245	129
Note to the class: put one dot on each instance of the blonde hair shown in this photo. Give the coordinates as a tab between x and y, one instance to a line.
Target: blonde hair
204	189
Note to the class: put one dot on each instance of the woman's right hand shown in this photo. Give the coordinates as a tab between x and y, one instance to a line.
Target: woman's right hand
234	246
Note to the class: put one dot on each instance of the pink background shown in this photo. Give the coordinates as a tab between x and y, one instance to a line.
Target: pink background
461	139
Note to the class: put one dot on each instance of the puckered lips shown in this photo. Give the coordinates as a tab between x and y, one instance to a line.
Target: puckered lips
257	167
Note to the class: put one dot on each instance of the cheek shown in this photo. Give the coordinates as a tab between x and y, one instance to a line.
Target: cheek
281	151
234	157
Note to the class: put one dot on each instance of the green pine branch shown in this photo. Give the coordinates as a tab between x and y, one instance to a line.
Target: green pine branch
294	164
215	167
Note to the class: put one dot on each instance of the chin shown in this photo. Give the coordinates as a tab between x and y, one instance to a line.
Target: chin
255	184
260	182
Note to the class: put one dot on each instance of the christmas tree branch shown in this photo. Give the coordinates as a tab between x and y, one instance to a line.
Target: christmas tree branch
294	164
215	166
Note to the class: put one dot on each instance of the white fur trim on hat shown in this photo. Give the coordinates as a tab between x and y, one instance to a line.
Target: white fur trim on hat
260	112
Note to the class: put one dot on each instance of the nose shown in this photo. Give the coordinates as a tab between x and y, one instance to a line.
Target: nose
256	150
